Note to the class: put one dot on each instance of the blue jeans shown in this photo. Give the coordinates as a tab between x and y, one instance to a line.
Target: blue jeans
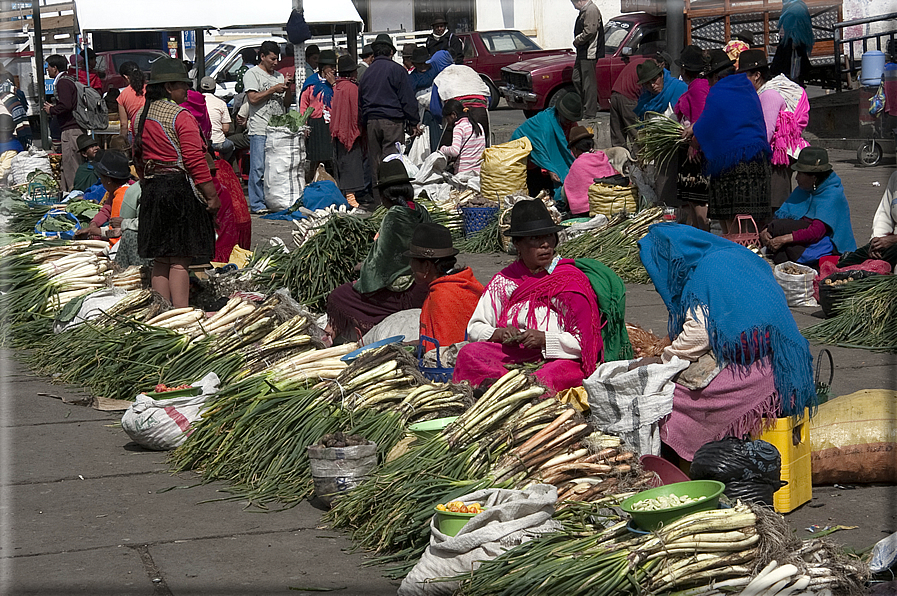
225	149
256	172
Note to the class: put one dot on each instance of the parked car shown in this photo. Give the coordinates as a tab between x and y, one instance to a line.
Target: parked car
535	84
487	52
108	64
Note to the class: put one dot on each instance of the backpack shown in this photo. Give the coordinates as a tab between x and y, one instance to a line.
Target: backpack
90	110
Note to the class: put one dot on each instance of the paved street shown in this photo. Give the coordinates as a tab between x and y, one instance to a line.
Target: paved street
84	511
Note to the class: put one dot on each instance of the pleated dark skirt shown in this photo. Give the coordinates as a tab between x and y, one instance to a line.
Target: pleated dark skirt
172	220
742	189
319	146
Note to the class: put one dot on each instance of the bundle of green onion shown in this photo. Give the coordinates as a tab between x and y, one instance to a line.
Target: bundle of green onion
616	244
865	316
486	240
659	138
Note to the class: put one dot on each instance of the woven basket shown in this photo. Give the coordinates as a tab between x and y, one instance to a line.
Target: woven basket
742	236
477	218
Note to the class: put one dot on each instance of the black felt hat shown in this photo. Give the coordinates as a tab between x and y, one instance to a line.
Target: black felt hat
431	241
691	59
570	106
383	39
114	164
719	60
346	64
531	218
647	71
420	55
84	141
751	60
392	172
327	57
439	20
746	36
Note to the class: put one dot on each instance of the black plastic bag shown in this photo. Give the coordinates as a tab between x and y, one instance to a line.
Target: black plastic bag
751	470
297	29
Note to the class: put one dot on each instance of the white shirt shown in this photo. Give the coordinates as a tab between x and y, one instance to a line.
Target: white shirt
885	220
559	344
218	116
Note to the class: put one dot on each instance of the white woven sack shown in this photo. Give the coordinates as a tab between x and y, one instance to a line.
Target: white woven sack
798	288
284	166
163	424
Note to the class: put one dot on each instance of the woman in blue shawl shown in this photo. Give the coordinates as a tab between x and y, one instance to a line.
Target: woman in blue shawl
731	133
659	89
815	220
547	132
725	306
660	93
796	41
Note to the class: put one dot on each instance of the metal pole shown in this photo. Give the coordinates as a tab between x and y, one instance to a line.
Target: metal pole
199	54
39	76
675	31
298	61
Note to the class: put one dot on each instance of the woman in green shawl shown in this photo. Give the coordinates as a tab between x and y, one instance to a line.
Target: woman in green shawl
385	284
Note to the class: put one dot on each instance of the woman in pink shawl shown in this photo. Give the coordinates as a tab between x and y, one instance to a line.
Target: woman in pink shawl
786	112
538	309
588	164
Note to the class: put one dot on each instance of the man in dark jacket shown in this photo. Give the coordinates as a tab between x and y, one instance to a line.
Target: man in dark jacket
386	103
588	39
66	94
443	39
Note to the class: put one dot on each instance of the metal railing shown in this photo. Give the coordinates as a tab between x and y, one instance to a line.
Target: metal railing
851	65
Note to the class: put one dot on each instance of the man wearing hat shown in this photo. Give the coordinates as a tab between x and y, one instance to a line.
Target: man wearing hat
453	291
623	97
815	220
386	103
589	164
86	175
367	56
266	91
588	40
547	131
537	309
443	39
660	90
786	112
348	155
219	117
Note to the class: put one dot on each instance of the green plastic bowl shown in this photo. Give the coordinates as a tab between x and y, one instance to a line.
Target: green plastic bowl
651	520
450	523
430	428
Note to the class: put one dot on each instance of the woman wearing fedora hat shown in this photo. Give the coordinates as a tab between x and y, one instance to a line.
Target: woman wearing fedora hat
317	93
178	202
547	132
541	308
786	112
385	284
453	292
815	220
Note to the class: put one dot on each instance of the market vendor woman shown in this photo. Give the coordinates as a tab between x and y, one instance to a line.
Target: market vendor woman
386	284
723	301
538	309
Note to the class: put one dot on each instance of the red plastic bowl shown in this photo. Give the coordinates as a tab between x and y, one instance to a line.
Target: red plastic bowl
667	472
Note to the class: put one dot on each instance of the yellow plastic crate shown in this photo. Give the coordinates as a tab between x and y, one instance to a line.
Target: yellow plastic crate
791	436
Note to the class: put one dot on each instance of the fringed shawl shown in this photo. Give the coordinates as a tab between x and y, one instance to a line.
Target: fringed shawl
791	121
344	113
549	142
731	128
568	293
745	309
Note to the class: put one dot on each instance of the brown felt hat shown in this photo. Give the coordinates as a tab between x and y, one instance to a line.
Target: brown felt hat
577	133
431	241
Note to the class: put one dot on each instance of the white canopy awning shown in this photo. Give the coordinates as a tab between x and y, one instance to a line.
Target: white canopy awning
174	15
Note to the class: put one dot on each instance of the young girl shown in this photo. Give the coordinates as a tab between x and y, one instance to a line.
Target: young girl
468	139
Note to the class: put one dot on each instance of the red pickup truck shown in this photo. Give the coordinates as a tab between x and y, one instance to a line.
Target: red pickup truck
487	52
536	84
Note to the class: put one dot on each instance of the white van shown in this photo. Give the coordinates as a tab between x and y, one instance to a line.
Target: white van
225	59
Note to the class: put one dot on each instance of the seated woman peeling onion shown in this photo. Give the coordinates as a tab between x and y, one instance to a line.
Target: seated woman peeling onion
542	308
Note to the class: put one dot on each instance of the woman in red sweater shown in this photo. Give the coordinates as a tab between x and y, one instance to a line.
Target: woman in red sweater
179	202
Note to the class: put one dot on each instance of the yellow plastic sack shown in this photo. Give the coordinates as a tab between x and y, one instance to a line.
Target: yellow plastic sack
504	169
854	438
576	397
609	200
